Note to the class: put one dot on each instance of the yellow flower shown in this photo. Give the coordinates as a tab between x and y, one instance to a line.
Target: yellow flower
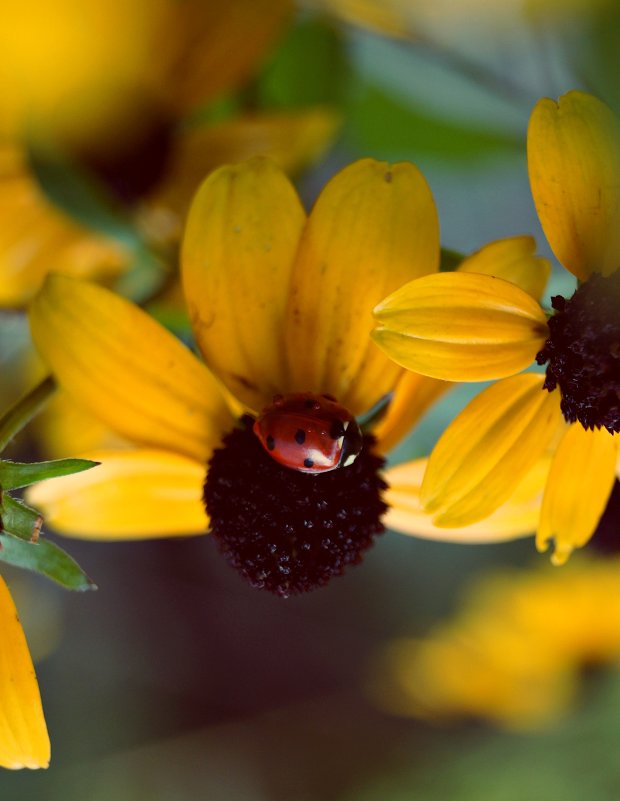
94	83
470	327
511	654
280	303
97	73
24	742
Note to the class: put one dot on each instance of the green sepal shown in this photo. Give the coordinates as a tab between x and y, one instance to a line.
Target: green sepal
14	475
46	558
19	519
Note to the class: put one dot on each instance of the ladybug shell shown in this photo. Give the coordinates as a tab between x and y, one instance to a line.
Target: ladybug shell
310	433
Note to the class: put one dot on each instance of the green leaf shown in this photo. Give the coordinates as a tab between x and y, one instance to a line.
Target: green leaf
310	67
14	475
82	196
19	519
46	558
387	126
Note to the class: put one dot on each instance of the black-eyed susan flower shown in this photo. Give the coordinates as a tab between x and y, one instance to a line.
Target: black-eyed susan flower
468	327
280	304
24	742
95	82
511	655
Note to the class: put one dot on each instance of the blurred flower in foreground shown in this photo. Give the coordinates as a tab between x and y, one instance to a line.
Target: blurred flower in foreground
462	327
280	303
514	652
100	76
24	742
115	66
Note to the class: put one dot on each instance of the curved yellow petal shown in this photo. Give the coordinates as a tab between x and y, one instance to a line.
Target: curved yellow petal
293	139
131	495
36	238
517	517
24	742
373	227
239	246
461	327
414	394
485	452
133	375
514	259
580	483
573	150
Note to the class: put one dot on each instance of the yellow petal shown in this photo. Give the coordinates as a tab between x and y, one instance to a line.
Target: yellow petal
240	242
373	227
118	363
514	259
573	149
64	428
486	451
461	327
24	742
207	48
293	140
36	238
413	396
580	482
517	517
131	495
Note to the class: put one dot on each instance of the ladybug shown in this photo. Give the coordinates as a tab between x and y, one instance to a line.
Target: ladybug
310	433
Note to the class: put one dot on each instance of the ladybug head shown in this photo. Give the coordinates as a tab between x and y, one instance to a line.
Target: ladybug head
352	443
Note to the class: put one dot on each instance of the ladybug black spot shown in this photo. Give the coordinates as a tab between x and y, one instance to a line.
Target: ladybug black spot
271	443
308	463
300	436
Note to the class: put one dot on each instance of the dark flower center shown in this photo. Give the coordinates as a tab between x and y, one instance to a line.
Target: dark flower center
583	353
287	531
132	168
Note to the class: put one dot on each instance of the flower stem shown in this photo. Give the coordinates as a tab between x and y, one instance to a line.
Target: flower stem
22	412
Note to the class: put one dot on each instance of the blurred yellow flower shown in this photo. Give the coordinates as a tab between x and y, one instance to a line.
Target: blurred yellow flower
513	653
79	70
24	742
97	75
279	303
471	327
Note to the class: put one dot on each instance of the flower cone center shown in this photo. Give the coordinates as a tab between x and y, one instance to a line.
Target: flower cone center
287	531
582	353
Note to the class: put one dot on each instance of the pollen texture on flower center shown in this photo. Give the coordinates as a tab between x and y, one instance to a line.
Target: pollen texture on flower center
583	353
284	530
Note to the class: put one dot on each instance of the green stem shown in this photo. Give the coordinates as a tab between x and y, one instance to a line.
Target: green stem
19	415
